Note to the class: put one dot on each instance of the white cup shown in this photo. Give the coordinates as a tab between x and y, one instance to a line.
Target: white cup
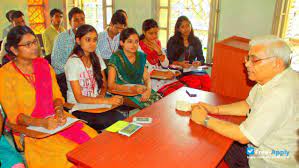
182	105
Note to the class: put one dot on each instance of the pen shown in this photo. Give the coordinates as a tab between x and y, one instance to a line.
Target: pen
190	95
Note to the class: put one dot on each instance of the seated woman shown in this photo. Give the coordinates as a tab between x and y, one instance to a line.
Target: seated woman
86	81
184	48
9	157
127	72
155	58
30	96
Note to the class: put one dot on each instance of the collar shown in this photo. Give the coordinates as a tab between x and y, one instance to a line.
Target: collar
107	35
274	81
60	28
70	32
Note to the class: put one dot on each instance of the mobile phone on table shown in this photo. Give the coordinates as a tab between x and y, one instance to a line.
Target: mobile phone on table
142	120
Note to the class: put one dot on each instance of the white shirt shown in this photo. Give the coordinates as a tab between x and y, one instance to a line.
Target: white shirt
274	118
3	51
295	60
75	70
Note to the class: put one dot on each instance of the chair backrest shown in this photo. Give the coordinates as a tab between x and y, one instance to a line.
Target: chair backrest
61	80
1	121
40	39
8	131
6	59
2	115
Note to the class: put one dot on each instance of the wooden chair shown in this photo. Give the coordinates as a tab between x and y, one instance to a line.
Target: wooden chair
127	101
22	130
61	80
40	40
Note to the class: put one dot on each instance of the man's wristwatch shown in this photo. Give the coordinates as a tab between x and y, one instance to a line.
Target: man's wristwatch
205	122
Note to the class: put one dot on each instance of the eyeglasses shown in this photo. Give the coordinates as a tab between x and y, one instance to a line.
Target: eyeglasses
253	59
29	44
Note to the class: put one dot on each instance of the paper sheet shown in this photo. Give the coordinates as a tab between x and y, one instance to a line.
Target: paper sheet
192	68
80	106
69	121
117	126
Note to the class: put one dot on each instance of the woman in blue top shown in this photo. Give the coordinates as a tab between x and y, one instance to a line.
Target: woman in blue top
9	157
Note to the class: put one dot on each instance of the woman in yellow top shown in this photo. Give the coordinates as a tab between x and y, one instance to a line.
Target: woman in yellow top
30	96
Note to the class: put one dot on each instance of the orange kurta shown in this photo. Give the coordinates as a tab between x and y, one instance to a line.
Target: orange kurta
18	96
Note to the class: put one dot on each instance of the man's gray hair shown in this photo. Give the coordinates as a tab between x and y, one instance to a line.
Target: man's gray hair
274	47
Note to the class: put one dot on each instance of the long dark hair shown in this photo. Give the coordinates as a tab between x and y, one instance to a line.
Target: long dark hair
14	37
179	41
147	25
95	62
125	34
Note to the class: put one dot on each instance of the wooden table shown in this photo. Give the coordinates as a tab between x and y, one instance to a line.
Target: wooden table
172	140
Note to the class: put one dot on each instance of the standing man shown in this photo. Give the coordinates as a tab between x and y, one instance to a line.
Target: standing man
269	130
63	46
6	29
17	19
65	41
108	41
50	34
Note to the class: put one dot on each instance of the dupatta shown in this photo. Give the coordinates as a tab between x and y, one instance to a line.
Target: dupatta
44	106
128	73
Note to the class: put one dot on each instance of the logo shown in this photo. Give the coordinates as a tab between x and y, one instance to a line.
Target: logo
250	150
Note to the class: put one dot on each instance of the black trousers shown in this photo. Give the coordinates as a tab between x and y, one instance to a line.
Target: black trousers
236	156
100	121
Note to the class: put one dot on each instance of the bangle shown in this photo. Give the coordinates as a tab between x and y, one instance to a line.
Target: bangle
205	122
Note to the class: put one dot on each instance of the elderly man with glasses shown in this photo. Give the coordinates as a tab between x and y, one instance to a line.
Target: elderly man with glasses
267	138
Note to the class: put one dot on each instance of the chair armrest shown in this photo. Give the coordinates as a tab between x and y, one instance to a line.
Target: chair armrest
122	93
23	130
99	110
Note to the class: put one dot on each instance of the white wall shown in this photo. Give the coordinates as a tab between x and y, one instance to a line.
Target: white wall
246	18
137	10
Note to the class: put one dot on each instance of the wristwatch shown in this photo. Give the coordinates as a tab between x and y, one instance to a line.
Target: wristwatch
205	122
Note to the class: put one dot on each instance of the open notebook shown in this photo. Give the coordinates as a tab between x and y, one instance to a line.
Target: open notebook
80	106
193	68
69	121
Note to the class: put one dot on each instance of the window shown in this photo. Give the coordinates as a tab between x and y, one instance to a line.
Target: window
97	12
286	19
198	12
37	20
291	27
